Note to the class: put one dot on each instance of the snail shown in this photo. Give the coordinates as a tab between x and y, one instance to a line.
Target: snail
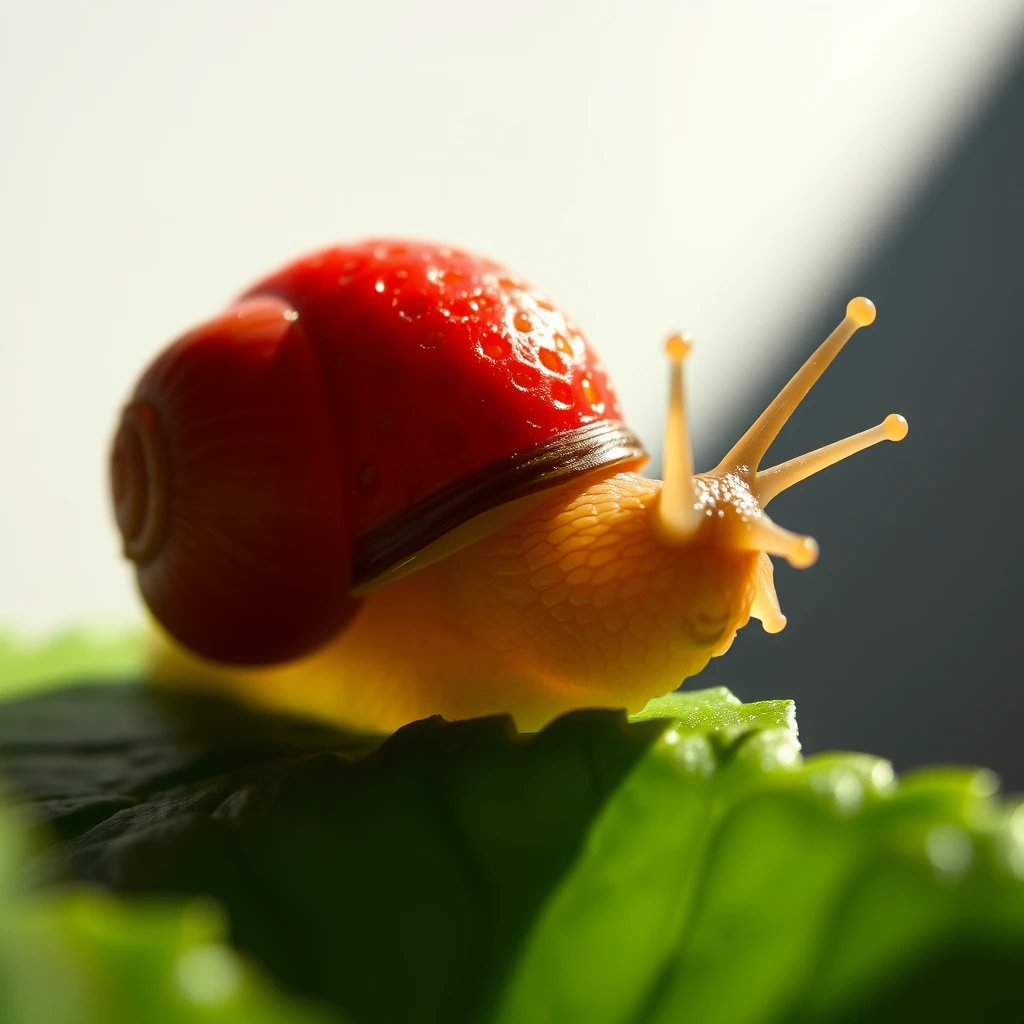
393	480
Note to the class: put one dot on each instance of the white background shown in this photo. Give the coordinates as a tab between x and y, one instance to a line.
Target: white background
650	164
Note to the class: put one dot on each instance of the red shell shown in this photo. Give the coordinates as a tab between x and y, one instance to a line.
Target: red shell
227	494
345	411
437	363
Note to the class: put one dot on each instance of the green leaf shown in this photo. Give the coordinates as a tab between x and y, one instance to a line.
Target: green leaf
688	865
27	665
86	958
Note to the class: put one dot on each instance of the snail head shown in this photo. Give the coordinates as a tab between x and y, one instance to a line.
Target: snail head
725	508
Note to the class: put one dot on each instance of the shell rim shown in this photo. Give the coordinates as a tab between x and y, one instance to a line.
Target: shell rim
549	464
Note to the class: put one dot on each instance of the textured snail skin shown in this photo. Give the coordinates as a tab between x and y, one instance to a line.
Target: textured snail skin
577	602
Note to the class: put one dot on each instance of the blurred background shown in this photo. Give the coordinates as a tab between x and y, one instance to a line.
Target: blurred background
739	170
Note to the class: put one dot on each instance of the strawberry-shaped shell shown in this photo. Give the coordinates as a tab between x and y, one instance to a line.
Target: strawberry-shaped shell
348	410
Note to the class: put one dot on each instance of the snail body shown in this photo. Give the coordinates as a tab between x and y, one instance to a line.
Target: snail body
394	481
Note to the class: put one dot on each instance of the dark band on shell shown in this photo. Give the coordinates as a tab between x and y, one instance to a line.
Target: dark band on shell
578	452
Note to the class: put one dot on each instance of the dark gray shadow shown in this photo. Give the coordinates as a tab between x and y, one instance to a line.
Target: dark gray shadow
903	640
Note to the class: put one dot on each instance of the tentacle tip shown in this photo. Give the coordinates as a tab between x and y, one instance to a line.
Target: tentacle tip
861	311
895	427
803	554
678	347
775	624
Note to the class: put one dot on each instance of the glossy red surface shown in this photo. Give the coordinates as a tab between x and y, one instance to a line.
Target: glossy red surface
250	564
434	363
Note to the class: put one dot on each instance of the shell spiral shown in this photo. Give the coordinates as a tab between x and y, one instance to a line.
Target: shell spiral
227	492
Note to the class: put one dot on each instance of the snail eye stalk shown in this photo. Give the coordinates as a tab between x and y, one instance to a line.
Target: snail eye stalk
679	514
748	451
771	482
746	454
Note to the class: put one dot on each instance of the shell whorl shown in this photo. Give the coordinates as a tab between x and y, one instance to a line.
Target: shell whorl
140	482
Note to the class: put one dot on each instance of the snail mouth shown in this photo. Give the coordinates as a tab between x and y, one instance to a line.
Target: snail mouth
706	630
138	479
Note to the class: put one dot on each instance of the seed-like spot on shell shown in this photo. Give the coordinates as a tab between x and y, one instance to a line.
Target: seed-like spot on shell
380	285
561	394
509	284
432	339
590	392
551	360
522	322
495	346
525	377
543	303
463	309
563	345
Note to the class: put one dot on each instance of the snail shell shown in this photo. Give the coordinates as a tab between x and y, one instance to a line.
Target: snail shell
341	417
